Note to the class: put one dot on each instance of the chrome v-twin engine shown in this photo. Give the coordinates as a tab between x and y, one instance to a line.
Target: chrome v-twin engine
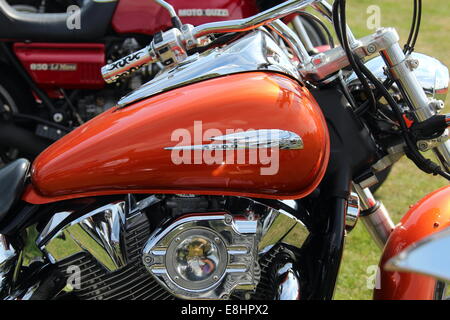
205	256
131	249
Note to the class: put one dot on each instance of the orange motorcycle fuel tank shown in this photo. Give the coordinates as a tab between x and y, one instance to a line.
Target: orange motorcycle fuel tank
252	133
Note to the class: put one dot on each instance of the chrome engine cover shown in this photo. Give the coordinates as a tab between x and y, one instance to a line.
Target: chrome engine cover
125	238
236	241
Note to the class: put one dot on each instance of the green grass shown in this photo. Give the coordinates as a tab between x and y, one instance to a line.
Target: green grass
406	185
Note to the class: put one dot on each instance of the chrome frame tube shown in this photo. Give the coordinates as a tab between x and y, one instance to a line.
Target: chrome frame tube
303	35
407	81
326	10
292	39
287	282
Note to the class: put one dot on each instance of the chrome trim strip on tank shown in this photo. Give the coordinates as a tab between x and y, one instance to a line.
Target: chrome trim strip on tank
256	51
252	139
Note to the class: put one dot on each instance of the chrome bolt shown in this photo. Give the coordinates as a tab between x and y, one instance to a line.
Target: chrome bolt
58	117
228	219
422	146
436	105
412	63
108	214
371	48
148	260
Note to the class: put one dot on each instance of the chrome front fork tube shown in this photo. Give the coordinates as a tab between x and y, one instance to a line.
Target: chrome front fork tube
401	68
374	216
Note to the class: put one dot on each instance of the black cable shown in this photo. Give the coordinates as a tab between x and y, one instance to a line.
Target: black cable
346	92
409	47
40	120
415	28
320	22
336	19
422	163
419	19
341	26
412	30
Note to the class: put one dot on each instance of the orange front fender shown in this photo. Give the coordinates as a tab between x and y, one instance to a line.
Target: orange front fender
429	215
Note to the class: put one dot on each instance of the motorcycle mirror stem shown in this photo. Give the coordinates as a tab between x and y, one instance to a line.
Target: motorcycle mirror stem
176	22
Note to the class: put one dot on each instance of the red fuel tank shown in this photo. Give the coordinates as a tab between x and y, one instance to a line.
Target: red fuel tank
147	17
169	143
63	65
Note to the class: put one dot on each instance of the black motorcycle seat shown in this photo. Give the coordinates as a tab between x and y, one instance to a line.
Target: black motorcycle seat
94	17
12	184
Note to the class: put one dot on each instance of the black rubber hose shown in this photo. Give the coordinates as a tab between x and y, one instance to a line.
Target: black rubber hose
27	142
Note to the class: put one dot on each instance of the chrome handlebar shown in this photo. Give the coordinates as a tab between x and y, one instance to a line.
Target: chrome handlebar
253	22
112	72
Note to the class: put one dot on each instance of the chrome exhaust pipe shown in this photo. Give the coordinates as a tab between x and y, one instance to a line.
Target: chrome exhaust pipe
8	261
287	281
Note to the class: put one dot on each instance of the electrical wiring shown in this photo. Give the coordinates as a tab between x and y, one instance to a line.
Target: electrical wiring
340	25
412	152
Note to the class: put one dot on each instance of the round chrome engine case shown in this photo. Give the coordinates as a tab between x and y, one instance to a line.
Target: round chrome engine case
204	256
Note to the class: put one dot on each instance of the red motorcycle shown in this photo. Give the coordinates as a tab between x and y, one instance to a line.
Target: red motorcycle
50	62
